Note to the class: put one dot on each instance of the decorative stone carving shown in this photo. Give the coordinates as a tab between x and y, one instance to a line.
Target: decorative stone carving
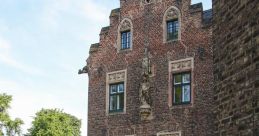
116	77
125	25
172	14
145	88
181	65
84	70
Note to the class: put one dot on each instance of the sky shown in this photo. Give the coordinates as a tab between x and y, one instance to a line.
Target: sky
43	43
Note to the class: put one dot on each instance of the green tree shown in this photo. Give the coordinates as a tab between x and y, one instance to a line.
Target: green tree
7	125
54	122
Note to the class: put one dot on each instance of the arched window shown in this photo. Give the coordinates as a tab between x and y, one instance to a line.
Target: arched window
172	25
125	32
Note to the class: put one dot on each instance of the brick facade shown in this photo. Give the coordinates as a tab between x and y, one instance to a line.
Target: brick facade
147	26
236	67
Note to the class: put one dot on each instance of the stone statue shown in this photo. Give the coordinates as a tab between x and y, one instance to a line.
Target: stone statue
145	88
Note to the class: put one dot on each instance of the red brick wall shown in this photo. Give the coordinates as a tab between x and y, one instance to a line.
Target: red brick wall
194	119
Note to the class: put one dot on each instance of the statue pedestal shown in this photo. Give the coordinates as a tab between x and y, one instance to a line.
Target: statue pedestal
145	112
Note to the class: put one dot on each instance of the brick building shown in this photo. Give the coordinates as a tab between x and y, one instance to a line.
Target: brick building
151	74
236	67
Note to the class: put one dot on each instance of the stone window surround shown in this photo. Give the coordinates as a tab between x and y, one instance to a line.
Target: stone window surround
164	24
111	78
119	34
169	133
173	70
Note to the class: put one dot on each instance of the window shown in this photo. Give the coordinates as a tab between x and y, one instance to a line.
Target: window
172	30
116	92
182	88
125	35
172	25
125	40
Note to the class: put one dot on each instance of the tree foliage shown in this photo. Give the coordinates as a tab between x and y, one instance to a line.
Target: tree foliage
54	122
7	125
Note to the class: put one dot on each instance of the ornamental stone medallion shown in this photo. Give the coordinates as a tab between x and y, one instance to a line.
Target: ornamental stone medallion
172	14
126	25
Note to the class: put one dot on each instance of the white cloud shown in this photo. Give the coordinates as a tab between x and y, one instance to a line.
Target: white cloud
7	59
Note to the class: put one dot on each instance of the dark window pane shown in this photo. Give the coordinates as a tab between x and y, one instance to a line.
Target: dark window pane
125	40
121	102
172	29
178	94
113	103
177	79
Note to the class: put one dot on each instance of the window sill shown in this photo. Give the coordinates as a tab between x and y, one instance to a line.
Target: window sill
124	50
181	106
116	113
172	41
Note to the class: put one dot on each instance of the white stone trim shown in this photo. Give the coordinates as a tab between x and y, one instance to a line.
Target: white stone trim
185	65
118	76
169	133
119	34
181	65
164	24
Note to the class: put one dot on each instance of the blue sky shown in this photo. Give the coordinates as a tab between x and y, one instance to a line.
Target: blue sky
43	43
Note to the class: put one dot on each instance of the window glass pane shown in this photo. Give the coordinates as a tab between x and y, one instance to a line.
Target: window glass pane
178	94
186	93
120	87
125	40
172	29
113	89
120	101
113	102
177	79
186	78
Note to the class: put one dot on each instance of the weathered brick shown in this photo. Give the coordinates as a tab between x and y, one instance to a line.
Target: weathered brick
196	33
235	49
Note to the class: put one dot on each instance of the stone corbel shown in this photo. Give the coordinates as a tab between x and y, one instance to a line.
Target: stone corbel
84	70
